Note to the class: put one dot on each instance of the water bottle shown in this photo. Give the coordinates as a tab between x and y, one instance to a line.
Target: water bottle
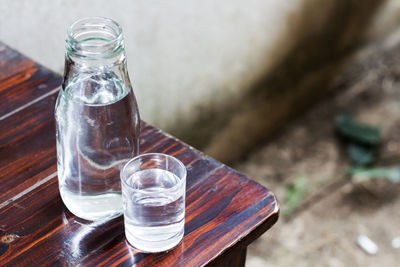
97	119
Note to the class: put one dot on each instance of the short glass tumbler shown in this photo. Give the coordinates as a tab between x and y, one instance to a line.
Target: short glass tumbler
153	194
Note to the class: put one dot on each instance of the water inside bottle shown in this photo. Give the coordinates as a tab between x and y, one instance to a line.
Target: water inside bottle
96	135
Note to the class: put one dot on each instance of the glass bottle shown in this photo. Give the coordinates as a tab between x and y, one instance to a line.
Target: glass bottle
97	119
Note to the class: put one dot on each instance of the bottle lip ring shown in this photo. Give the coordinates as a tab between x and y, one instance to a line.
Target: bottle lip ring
91	26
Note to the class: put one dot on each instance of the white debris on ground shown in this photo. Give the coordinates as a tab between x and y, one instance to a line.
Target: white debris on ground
396	242
367	244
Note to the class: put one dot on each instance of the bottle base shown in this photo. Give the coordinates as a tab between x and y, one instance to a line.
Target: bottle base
93	208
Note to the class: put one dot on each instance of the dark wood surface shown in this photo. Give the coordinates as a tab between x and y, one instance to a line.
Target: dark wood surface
225	211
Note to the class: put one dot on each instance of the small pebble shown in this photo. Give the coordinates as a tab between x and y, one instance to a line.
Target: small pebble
396	242
367	244
9	238
42	86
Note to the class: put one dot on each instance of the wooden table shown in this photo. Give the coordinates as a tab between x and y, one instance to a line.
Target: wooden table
225	211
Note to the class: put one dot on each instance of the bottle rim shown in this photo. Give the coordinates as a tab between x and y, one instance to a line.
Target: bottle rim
94	38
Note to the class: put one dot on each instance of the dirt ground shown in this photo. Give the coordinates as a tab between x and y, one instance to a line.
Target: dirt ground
323	228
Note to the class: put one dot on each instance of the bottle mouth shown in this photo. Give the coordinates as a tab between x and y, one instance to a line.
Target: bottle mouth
94	38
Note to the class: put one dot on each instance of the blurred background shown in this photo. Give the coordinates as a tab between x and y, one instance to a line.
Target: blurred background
301	95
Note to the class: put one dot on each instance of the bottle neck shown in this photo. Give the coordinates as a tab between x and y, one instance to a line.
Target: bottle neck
81	62
95	62
95	41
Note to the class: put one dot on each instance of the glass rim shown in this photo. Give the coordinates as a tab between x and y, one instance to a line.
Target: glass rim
180	163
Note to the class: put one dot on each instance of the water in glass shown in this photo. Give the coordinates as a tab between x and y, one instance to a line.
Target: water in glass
154	211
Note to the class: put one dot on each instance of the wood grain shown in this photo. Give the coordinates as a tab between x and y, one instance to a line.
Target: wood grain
42	225
225	211
22	81
27	148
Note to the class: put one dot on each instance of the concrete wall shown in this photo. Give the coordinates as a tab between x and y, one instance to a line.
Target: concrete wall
182	54
223	74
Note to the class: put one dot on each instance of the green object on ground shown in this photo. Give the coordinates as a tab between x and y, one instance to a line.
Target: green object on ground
362	140
360	155
294	194
357	132
361	174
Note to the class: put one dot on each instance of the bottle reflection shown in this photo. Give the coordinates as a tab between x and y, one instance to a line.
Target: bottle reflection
82	237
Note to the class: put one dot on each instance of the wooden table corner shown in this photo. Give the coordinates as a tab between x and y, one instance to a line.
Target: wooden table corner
225	210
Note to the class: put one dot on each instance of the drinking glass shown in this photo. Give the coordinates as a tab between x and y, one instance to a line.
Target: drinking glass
153	194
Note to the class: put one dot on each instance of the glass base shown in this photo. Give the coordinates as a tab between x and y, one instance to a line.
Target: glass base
154	246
